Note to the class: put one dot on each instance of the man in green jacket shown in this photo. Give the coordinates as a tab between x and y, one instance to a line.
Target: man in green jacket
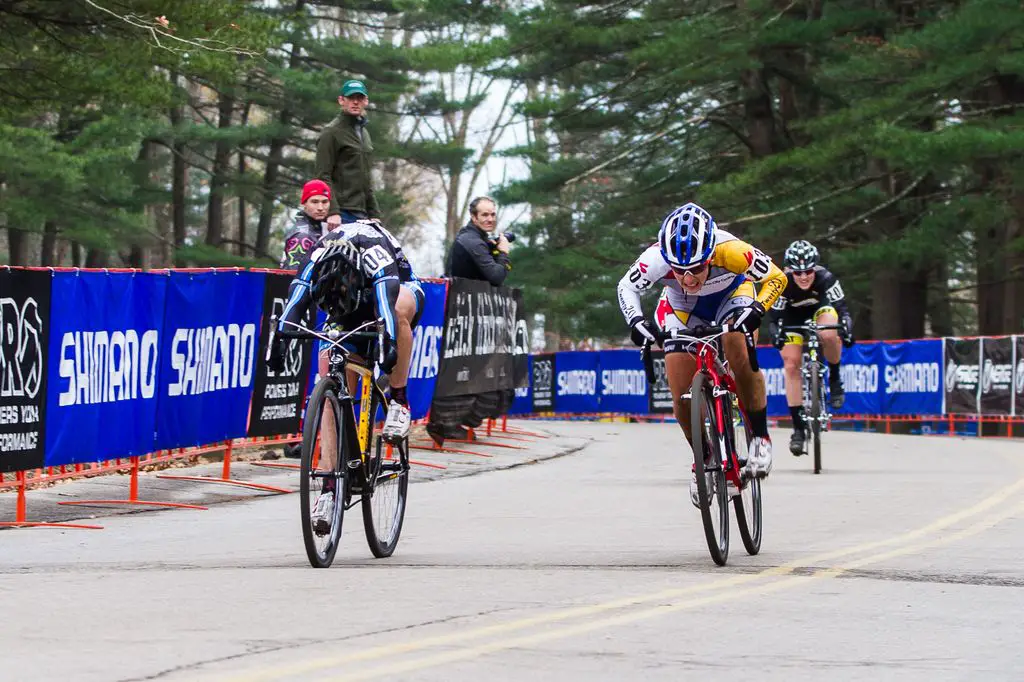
343	159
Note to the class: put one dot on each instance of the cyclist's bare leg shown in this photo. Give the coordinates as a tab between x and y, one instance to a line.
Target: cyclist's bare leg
792	360
749	384
328	427
680	368
830	340
405	311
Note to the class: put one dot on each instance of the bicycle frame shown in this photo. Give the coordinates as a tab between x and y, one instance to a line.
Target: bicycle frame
339	362
723	384
812	357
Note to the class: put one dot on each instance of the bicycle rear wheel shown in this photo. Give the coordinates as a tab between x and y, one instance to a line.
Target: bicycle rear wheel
384	498
815	414
707	461
322	538
748	503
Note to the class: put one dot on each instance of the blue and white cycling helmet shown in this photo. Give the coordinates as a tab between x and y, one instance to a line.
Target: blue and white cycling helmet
687	237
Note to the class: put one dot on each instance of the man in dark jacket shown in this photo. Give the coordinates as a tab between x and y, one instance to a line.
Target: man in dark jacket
474	255
343	159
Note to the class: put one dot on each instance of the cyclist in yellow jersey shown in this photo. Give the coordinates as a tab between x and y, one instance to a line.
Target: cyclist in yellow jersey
709	278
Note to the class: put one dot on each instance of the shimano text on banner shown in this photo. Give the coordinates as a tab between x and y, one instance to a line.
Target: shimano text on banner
104	355
913	377
426	349
576	382
24	327
277	399
622	382
208	356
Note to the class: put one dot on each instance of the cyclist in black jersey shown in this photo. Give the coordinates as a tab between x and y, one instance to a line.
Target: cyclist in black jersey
811	292
362	258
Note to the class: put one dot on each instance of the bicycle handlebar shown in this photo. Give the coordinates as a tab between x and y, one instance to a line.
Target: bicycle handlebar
697	335
813	328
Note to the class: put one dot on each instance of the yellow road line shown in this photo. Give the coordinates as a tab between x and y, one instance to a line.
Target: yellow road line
654	612
462	636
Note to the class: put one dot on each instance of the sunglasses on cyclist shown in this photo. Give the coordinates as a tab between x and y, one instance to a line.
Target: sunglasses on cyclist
694	270
803	273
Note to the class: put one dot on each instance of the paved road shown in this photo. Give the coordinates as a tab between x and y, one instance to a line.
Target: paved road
904	560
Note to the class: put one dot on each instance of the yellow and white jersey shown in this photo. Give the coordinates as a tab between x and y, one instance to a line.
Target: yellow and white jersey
733	262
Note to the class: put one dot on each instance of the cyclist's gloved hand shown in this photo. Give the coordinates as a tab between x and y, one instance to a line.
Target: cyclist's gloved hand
276	353
749	319
388	354
641	333
848	339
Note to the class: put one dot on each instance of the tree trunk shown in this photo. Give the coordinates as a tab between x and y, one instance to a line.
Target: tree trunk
76	254
757	111
17	245
47	254
219	173
276	154
96	258
179	183
940	310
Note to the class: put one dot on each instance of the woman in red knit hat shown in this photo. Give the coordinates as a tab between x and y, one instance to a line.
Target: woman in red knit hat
310	223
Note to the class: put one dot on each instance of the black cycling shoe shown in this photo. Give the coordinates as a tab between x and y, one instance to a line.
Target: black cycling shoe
838	394
797	442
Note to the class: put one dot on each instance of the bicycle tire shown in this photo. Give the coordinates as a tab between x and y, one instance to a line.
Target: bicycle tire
707	444
747	504
321	548
815	414
387	496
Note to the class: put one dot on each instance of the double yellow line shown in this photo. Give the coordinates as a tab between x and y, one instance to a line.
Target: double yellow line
677	599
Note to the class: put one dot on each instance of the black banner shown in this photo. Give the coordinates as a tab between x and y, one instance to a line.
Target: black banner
277	399
24	318
1018	376
997	376
963	375
479	348
544	382
659	397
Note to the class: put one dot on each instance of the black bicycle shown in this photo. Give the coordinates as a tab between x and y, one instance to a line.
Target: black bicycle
342	450
814	391
720	435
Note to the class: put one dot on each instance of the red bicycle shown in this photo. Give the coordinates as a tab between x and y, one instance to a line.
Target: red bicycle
721	434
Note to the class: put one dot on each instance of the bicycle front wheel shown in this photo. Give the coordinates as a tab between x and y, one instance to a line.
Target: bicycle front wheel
321	509
815	414
385	497
748	503
707	461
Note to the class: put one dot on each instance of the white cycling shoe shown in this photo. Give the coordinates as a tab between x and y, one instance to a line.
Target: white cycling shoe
323	513
694	497
759	457
396	426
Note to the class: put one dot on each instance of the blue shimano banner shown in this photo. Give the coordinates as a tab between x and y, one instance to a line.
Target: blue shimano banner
426	348
913	377
104	349
621	382
208	356
862	369
770	361
523	402
576	382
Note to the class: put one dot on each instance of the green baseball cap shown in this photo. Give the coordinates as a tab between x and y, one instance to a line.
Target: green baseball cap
353	88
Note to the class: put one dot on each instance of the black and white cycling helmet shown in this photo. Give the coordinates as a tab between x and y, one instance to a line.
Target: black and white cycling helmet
338	284
801	256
